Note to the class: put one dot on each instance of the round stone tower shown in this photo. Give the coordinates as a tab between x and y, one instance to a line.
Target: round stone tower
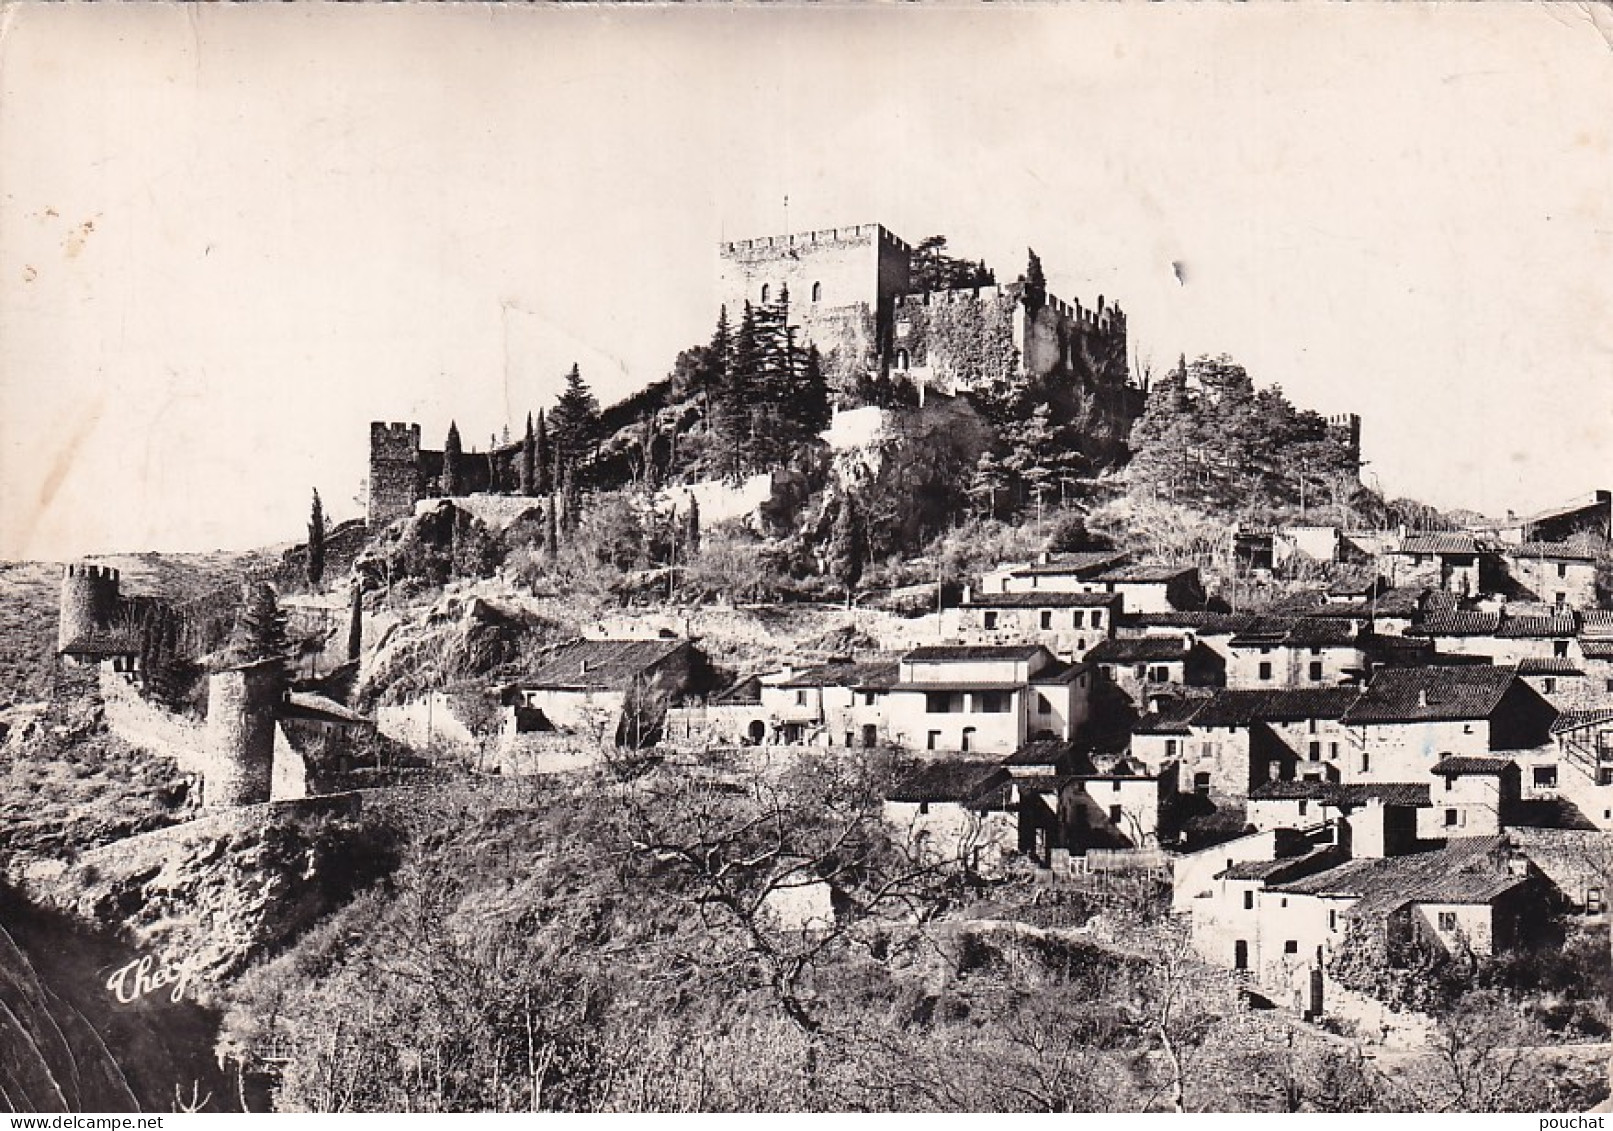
241	705
89	603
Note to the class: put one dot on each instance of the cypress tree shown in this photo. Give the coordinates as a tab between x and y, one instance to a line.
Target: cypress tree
576	417
451	454
691	529
542	479
848	546
1035	294
260	628
551	540
529	457
316	541
742	395
355	623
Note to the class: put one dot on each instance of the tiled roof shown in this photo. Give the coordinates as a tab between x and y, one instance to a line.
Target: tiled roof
1171	717
1079	564
844	674
1548	665
1137	649
1283	868
1404	794
1428	694
962	653
1042	783
600	663
1556	551
1401	602
1596	622
1204	623
1456	623
1452	542
1461	766
1050	752
1285	704
1341	610
1556	624
1575	720
1596	649
1148	574
1468	870
1319	632
1058	673
322	709
955	781
1294	791
1042	599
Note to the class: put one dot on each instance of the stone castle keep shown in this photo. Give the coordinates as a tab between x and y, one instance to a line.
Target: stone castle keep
851	293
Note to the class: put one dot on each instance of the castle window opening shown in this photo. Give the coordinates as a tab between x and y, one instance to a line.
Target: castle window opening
766	291
817	291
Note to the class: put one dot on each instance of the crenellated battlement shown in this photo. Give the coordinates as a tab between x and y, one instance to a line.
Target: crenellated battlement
857	233
1103	319
85	571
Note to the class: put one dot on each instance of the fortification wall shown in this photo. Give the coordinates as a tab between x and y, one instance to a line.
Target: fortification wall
89	602
241	732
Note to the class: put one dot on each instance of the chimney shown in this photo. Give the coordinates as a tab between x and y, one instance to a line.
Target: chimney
968	594
1422	697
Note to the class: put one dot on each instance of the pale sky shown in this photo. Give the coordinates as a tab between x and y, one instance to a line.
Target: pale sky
231	236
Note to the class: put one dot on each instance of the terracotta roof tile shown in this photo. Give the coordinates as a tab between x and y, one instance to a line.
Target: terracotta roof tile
1428	694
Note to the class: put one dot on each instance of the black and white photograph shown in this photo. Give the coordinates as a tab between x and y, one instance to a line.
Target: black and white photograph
836	558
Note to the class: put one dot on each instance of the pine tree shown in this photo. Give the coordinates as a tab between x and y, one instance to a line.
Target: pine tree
1035	293
739	397
529	459
809	402
260	628
543	480
848	548
575	419
451	455
355	623
316	541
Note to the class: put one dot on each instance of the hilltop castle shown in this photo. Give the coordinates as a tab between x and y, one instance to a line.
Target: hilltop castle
851	293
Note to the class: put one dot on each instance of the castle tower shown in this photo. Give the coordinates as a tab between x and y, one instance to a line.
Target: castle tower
1346	427
241	707
89	604
394	471
843	283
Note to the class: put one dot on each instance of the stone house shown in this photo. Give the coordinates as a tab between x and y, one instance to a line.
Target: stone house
1409	719
841	703
1555	573
1238	739
1452	561
1473	797
985	698
1154	588
607	690
1068	624
956	811
1135	663
1064	573
1297	652
1370	820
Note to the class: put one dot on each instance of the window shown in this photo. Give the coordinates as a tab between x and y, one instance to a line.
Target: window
1316	752
937	702
992	703
924	808
1366	763
1332	920
868	698
1161	674
1545	777
968	739
1304	806
1333	754
1265	670
1593	901
1047	618
1291	946
1316	651
817	291
1240	955
1559	648
1562	571
1114	787
933	740
1450	782
850	740
1265	650
1142	671
766	291
1452	818
991	620
1248	901
1447	920
1548	685
1114	814
1561	599
1310	726
1043	707
1170	748
1097	618
800	698
1316	671
1077	618
1201	784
